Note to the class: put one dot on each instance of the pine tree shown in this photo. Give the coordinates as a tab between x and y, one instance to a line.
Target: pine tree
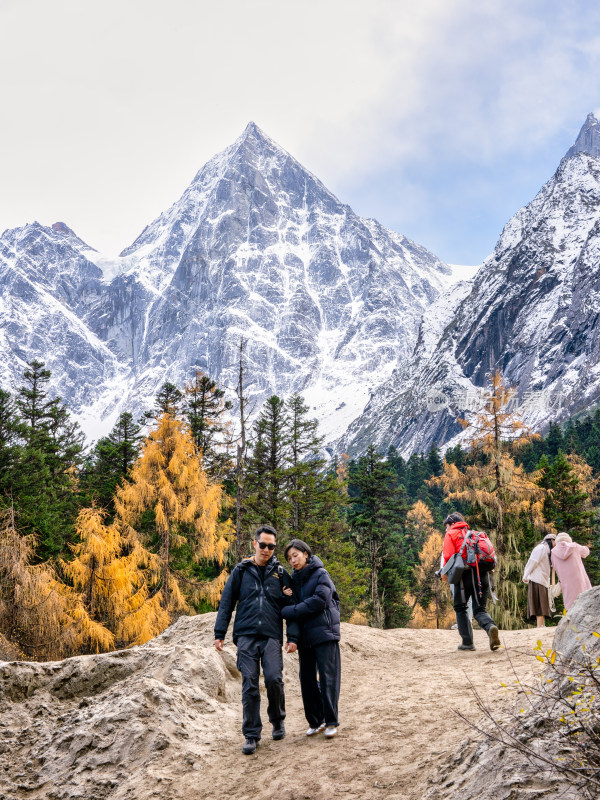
555	440
206	410
168	482
240	460
111	461
376	516
267	485
567	505
168	401
317	498
46	487
10	448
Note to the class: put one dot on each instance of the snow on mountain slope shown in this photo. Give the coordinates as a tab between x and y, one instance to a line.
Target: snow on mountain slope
328	302
46	284
257	249
532	313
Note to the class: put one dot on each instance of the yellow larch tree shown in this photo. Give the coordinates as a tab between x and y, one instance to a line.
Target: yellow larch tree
113	572
501	497
42	616
419	523
168	480
437	612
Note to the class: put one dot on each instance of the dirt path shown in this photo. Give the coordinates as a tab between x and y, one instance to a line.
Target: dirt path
398	691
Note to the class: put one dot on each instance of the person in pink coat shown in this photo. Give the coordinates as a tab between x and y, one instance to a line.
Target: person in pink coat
566	559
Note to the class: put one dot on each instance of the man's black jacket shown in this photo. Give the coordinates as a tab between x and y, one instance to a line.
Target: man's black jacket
259	599
316	604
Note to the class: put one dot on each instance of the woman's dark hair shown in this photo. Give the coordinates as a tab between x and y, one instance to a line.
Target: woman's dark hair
299	545
453	518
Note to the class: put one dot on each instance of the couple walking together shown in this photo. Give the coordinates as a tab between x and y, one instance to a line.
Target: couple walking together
265	594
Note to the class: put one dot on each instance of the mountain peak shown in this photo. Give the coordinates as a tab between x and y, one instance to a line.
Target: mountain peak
588	140
255	139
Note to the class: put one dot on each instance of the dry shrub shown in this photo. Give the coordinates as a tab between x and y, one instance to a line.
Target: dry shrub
358	618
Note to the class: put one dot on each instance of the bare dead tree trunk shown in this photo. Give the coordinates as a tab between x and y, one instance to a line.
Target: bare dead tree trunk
241	455
377	611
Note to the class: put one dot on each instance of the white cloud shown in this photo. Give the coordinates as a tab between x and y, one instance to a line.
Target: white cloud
112	107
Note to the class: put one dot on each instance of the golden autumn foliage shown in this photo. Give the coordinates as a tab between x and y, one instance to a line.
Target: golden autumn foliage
419	521
38	612
503	499
585	475
438	612
113	572
169	480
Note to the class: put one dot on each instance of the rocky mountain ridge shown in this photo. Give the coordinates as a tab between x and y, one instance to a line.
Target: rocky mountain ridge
532	312
255	249
369	326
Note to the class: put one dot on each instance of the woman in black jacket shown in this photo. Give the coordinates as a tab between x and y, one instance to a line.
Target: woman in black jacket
317	610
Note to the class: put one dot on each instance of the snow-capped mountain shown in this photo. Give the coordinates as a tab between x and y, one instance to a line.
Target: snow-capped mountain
532	312
257	249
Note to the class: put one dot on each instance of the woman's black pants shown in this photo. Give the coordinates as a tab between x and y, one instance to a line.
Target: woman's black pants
320	694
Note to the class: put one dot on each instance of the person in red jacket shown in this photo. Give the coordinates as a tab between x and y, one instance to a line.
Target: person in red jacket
456	528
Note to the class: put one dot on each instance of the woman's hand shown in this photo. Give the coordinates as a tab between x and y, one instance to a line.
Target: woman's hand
288	591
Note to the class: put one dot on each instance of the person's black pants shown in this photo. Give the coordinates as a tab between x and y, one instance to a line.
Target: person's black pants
469	581
320	696
251	651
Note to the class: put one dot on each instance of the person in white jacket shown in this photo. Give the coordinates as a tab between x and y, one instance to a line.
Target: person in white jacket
537	578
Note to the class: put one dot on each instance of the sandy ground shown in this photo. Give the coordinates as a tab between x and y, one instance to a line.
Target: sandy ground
164	720
399	690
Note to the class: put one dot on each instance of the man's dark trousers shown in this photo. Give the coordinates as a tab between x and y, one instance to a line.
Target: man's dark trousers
320	697
469	581
252	650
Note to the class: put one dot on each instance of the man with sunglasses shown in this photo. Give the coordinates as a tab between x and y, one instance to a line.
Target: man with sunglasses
256	586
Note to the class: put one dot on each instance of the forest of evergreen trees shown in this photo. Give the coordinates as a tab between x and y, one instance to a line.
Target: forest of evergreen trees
103	547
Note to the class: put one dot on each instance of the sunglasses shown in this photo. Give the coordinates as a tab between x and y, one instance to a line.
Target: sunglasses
262	545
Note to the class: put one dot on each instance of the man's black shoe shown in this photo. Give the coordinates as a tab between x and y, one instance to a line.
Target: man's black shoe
278	731
249	747
466	647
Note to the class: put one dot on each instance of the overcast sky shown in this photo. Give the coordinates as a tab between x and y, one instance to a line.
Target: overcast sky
440	118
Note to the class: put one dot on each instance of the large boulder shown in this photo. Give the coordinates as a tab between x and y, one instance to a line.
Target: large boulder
82	727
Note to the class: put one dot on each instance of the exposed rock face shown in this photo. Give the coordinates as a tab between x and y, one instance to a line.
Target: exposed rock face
532	312
360	320
85	726
256	248
588	140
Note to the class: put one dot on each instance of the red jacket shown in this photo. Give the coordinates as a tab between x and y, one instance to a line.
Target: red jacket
453	540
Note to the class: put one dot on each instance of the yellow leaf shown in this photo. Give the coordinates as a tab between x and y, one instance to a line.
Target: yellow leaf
541	658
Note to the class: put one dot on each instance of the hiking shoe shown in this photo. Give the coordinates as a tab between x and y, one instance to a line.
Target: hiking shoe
466	647
494	638
278	731
249	747
330	731
313	731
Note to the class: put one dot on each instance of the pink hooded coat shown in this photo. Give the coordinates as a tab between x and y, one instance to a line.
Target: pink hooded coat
566	560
